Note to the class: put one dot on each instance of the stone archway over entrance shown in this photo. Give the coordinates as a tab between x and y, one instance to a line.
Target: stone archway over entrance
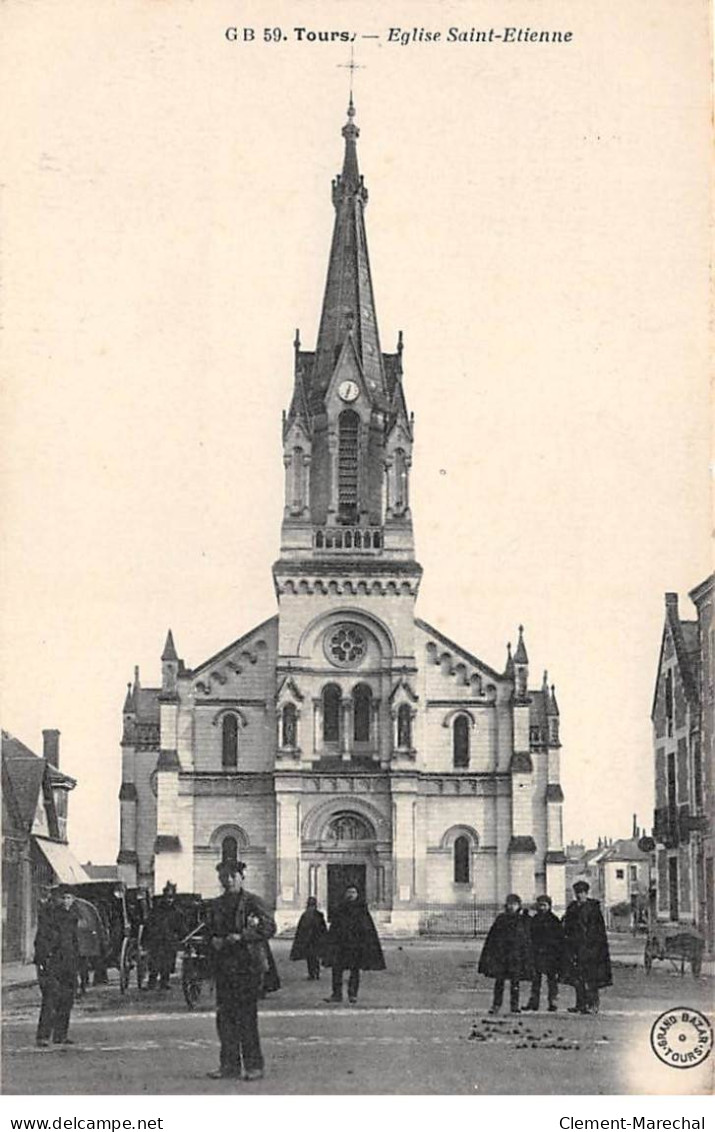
348	846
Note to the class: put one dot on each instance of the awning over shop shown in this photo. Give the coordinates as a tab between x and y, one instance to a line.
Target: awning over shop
62	861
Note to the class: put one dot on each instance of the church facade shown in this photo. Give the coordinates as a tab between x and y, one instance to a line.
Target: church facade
345	740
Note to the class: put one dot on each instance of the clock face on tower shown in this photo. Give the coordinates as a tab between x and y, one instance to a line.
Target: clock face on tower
348	391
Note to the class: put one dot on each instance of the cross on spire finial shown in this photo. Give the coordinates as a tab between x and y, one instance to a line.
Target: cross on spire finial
352	66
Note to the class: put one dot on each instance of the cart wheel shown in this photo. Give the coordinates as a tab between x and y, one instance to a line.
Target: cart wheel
142	969
190	983
648	957
127	958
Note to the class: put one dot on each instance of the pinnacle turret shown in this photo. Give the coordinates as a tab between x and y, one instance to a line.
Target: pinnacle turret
169	652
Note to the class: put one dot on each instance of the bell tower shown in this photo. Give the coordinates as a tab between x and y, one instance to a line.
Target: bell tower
347	435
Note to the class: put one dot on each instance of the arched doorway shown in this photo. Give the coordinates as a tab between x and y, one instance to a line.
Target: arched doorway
350	839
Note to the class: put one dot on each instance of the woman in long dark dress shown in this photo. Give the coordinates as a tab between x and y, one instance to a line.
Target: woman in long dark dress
352	945
309	938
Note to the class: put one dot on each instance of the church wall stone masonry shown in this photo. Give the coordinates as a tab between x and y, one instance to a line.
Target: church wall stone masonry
345	739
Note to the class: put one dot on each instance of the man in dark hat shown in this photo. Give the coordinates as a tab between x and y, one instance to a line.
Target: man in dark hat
163	936
506	954
588	962
352	944
239	925
57	961
309	938
547	945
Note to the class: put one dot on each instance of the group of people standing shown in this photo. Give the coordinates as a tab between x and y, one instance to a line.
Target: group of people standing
523	948
518	948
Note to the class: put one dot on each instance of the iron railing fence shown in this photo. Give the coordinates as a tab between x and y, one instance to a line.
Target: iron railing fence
463	919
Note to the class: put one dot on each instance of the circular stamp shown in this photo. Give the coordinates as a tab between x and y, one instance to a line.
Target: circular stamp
682	1037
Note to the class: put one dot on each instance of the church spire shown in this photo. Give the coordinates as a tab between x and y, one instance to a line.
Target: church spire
349	303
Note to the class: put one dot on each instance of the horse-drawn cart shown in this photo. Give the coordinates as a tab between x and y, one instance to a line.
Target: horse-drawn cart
680	944
122	913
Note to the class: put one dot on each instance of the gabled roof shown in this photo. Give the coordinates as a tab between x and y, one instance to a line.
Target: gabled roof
686	645
625	849
234	645
24	773
458	649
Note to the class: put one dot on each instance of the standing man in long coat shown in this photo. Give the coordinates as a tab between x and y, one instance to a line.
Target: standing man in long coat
163	937
309	938
239	926
506	954
547	944
352	944
57	961
588	962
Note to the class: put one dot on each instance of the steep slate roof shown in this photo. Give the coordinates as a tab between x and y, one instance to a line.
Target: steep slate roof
349	302
687	650
146	704
348	315
24	773
625	849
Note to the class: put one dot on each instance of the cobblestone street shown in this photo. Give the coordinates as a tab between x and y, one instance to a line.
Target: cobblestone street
420	1027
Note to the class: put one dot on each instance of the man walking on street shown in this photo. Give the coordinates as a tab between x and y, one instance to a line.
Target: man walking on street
352	944
57	961
239	926
588	962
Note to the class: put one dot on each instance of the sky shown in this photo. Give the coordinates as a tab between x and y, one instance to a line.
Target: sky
537	227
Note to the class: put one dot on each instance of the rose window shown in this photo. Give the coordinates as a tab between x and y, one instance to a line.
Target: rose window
346	645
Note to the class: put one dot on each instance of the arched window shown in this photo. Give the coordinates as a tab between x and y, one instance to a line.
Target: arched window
332	699
229	751
404	727
348	431
460	741
462	854
362	710
229	850
289	726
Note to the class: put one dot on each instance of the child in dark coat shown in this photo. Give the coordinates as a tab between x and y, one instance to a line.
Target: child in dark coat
507	954
547	944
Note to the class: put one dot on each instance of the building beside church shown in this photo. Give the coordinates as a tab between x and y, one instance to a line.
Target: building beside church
684	756
344	739
35	849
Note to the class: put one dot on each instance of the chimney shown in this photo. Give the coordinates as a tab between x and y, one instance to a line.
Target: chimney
51	747
671	602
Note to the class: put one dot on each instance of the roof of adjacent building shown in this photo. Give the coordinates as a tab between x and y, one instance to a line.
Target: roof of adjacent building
625	849
687	650
23	775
